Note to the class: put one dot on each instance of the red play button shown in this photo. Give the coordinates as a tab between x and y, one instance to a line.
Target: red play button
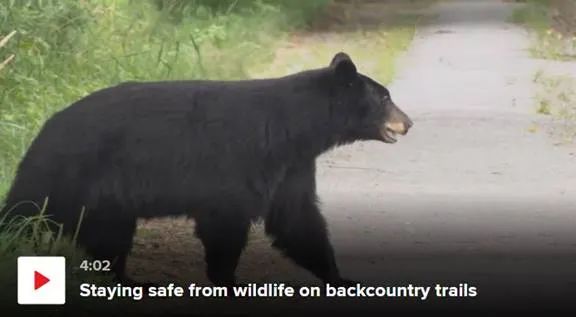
39	280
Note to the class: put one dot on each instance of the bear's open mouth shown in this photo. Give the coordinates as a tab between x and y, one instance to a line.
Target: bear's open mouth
390	130
388	135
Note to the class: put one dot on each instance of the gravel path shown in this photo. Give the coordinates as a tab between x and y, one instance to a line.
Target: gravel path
480	191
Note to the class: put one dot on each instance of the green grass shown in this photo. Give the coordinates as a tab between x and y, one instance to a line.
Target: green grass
38	235
375	52
556	96
547	42
3	41
66	49
534	14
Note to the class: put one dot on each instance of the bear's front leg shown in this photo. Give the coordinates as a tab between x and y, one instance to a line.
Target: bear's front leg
298	228
306	242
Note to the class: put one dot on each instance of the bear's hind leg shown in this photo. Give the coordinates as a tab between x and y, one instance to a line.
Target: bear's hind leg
109	238
224	236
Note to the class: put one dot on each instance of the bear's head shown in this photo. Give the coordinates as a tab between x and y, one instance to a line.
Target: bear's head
376	117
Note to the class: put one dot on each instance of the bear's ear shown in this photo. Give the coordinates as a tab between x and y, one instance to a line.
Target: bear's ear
343	67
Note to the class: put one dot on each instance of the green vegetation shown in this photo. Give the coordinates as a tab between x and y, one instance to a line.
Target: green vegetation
533	14
548	43
67	49
550	22
374	47
3	42
39	235
375	52
556	96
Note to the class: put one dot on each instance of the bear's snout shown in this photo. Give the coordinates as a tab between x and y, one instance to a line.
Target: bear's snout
396	123
398	127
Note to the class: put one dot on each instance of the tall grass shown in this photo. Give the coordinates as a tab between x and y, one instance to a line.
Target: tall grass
39	235
66	49
3	42
556	96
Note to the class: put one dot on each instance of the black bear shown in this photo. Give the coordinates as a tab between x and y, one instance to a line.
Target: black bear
223	152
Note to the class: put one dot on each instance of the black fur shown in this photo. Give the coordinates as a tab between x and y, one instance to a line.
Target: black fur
225	153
